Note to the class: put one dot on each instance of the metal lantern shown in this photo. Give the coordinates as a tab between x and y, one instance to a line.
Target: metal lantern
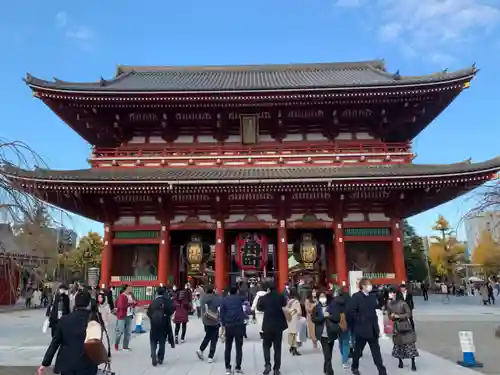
194	251
308	251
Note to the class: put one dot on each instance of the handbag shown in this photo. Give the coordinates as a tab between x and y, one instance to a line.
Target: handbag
402	326
45	326
211	315
106	370
93	345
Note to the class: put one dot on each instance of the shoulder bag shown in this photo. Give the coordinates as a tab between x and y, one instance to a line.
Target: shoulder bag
94	346
211	315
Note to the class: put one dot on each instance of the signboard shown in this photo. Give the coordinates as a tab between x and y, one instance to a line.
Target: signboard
354	279
467	341
149	291
93	276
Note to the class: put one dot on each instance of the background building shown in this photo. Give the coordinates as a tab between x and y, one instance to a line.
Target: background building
477	224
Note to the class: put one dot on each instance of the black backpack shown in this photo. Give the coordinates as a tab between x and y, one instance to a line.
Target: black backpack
158	316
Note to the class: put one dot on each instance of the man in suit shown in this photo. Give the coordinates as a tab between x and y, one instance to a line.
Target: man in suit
160	314
273	325
69	341
361	312
407	296
59	307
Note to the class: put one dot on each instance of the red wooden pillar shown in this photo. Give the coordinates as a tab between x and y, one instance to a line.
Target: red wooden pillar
220	258
282	256
340	255
398	250
107	256
164	255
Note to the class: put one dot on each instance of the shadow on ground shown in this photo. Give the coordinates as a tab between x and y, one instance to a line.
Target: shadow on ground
19	370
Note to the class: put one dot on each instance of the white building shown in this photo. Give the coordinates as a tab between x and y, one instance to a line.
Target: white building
477	224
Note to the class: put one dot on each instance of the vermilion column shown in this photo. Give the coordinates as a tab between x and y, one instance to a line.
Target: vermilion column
106	256
398	251
340	255
164	255
220	258
282	256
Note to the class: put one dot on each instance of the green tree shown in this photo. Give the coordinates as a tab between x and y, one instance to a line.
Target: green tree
415	260
87	254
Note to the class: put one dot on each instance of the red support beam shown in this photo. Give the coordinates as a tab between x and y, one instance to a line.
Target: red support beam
220	258
107	256
398	250
164	255
282	255
339	250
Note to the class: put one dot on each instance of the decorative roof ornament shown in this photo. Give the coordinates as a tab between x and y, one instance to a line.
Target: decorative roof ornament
397	75
102	82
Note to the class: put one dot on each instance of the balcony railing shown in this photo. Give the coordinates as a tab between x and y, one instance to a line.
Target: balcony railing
263	150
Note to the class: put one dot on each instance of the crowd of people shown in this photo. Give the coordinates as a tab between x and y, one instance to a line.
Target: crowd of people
323	316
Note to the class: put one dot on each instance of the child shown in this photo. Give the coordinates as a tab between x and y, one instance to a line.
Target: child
247	309
197	306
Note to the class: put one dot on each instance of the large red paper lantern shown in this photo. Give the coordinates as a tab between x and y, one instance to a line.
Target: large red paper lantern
251	251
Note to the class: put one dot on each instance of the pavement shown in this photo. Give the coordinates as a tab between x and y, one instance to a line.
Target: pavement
22	346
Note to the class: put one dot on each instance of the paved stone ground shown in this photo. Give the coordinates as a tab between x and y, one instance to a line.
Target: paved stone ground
22	346
438	324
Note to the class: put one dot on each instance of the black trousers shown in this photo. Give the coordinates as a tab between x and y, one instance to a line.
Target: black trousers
211	337
327	348
274	340
157	347
234	334
412	322
178	328
426	295
359	346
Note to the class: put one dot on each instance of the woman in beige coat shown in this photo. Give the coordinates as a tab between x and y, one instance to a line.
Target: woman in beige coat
293	312
311	301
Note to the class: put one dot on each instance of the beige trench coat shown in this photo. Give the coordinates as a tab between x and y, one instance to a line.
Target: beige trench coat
296	312
311	330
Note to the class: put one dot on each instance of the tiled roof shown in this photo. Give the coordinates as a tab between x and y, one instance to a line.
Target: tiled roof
172	175
251	78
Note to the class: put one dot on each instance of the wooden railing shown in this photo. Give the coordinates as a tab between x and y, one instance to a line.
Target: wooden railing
269	149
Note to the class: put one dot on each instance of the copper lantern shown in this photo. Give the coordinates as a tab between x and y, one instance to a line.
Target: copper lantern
194	250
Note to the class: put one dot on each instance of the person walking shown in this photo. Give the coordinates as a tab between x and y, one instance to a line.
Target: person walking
125	311
326	319
159	313
182	306
259	315
405	295
209	304
104	308
311	301
425	290
361	308
232	319
339	304
403	337
69	340
273	325
293	312
59	307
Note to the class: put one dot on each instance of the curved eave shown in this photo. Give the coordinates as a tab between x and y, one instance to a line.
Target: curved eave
340	177
405	83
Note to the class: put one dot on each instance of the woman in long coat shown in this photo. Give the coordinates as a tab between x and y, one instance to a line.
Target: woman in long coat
293	314
259	315
403	337
182	307
311	301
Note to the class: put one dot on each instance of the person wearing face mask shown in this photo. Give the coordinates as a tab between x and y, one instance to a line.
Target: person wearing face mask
59	307
403	337
361	311
311	301
326	319
407	296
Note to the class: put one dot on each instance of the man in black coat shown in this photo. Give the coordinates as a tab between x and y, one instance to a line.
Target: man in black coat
58	307
361	310
69	339
273	325
160	314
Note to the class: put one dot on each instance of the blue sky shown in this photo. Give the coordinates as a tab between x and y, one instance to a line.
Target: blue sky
82	41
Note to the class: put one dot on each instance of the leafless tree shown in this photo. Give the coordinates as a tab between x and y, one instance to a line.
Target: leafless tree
486	198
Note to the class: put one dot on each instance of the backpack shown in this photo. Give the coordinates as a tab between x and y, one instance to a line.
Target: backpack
157	318
343	322
94	347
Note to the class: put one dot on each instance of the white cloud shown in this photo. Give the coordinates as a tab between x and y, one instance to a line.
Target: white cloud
61	19
431	27
80	33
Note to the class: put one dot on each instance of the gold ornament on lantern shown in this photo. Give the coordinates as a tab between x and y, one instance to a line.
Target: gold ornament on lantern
194	251
308	251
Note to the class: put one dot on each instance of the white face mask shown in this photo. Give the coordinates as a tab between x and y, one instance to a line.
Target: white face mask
368	288
322	300
314	294
174	288
392	296
63	291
